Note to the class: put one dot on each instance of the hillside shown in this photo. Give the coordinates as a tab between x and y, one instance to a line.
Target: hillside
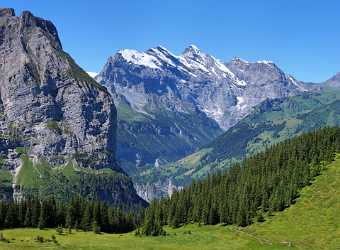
271	122
311	223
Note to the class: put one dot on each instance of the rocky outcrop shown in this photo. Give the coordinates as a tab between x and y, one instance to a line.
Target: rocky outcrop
54	113
151	191
48	100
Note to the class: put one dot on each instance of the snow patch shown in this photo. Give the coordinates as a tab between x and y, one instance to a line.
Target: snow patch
265	62
160	54
215	113
92	74
240	82
240	60
139	58
222	67
293	81
241	103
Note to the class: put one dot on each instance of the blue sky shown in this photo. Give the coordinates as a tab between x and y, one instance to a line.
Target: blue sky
301	36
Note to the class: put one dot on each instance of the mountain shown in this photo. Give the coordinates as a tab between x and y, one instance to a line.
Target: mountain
334	81
54	116
271	122
169	106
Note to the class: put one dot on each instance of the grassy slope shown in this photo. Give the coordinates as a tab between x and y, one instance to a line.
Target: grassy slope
65	181
271	122
312	223
159	135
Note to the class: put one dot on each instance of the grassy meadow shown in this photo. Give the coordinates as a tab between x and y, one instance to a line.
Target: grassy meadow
312	223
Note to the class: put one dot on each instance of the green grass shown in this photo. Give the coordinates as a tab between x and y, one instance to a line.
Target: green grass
312	223
272	121
128	114
64	181
201	238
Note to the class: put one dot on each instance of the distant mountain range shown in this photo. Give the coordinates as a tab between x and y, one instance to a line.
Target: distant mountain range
169	106
272	121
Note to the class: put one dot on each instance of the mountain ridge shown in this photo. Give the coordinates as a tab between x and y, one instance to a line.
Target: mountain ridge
193	84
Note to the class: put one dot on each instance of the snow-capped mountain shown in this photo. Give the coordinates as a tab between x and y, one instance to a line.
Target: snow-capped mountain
225	92
169	106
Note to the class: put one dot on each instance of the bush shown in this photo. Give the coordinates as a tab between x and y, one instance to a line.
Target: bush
59	230
2	237
53	125
39	239
95	228
54	239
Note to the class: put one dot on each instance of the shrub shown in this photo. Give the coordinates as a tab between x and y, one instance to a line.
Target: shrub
54	239
53	125
2	237
59	230
95	228
40	239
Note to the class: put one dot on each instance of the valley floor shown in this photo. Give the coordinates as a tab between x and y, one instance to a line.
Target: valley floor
312	223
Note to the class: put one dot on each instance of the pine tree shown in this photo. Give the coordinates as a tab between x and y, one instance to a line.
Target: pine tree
42	217
68	218
10	219
28	217
86	219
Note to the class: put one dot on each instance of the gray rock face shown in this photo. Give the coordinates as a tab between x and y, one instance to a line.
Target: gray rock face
157	122
151	191
51	103
54	114
195	81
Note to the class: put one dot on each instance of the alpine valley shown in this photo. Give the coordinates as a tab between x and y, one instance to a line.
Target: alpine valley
196	152
177	114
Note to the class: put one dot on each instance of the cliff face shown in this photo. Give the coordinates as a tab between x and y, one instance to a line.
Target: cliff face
48	100
57	125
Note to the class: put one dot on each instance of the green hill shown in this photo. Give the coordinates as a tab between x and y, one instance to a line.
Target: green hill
36	178
311	223
271	122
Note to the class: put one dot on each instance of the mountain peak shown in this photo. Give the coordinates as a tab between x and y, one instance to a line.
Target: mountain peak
139	58
334	81
239	60
7	12
265	62
192	50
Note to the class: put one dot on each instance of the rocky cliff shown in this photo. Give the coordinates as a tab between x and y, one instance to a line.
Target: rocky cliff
50	108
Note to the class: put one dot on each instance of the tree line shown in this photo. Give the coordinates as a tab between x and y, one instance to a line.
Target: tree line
263	183
79	213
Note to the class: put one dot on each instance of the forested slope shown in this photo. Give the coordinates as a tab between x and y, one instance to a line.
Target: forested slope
264	183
